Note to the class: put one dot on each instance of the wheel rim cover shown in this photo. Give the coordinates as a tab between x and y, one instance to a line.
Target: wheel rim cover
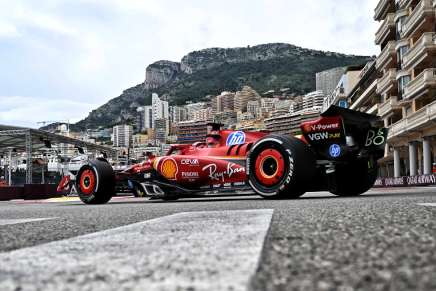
87	182
270	167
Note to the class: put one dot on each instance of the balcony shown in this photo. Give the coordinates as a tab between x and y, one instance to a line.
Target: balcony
386	31
404	4
419	20
421	84
387	82
418	120
388	106
423	50
387	58
365	96
383	7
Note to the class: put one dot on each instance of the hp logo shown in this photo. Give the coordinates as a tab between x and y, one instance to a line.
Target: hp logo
335	150
235	138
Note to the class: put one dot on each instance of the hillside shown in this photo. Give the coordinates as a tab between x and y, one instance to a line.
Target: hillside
211	71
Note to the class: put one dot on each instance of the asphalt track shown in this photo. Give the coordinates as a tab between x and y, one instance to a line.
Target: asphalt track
383	240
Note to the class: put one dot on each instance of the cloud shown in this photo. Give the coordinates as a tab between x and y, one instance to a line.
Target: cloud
28	111
81	52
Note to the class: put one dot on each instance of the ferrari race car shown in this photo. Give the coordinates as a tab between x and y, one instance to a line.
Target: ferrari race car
337	152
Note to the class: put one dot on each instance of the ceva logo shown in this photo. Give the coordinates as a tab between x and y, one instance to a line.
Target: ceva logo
235	138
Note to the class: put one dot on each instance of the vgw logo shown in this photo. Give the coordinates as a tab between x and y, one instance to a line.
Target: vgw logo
319	136
235	138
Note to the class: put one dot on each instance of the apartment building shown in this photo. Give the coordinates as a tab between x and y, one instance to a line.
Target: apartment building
407	85
159	109
340	94
313	100
122	135
253	107
326	81
242	97
192	131
203	114
161	130
191	108
177	114
223	102
364	96
283	122
267	105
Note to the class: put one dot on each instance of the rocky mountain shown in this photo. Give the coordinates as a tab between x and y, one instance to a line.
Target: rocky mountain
211	71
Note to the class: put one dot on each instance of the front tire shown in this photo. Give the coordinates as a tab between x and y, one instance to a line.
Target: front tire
96	182
280	167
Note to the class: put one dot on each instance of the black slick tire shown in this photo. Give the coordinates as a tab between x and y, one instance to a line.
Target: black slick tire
95	182
288	176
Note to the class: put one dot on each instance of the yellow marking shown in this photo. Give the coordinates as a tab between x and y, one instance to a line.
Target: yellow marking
63	199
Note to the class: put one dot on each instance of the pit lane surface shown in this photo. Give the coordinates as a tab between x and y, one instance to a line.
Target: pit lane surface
384	240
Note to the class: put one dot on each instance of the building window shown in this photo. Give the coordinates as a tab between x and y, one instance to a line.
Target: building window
402	83
399	26
400	54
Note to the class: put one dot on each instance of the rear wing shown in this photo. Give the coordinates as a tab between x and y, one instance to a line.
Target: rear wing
342	133
352	116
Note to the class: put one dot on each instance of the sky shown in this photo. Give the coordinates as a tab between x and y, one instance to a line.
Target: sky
60	59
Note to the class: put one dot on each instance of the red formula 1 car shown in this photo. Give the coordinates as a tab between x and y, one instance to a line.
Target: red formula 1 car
337	152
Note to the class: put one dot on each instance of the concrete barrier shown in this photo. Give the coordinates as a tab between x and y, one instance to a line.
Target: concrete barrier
29	191
9	193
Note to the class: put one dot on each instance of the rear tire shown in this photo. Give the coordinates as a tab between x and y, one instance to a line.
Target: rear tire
280	167
96	182
354	178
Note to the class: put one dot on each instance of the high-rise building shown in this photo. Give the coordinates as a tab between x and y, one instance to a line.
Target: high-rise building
144	118
140	119
122	135
178	114
407	86
346	83
148	117
242	97
161	130
223	102
159	108
193	107
326	81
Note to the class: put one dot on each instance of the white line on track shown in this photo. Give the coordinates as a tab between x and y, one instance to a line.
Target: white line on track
215	250
23	220
427	204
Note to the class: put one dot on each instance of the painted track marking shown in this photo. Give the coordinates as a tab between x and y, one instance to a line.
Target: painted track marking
427	204
216	250
23	220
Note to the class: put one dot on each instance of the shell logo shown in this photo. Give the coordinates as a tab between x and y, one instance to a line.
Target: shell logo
169	169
